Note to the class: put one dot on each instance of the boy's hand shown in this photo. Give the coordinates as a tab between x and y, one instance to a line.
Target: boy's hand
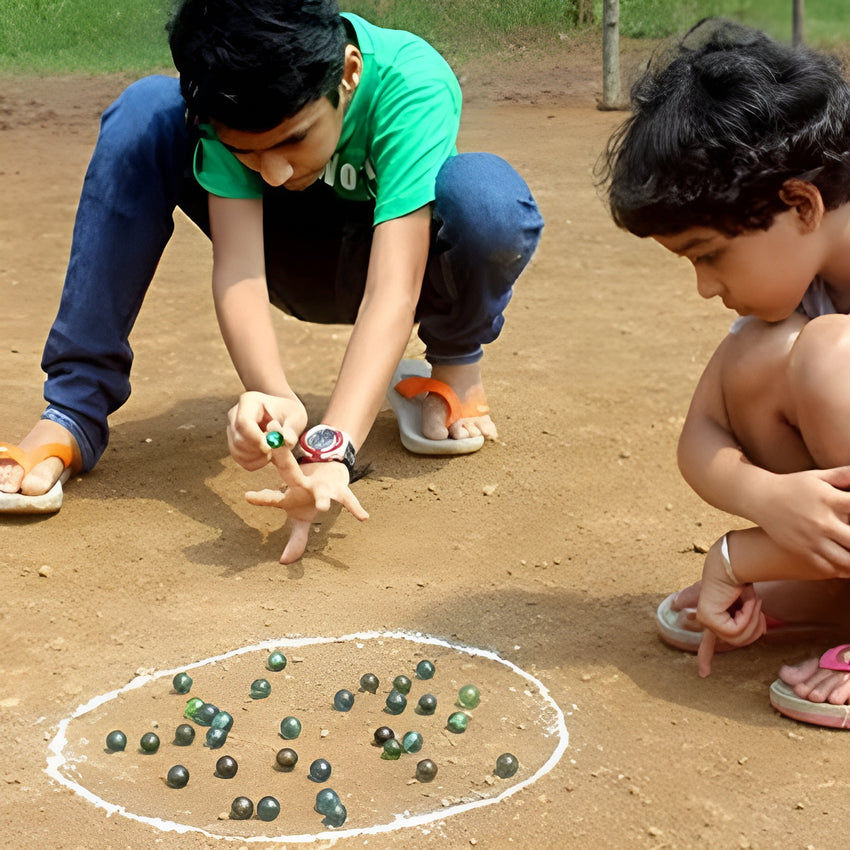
310	489
252	417
807	514
726	609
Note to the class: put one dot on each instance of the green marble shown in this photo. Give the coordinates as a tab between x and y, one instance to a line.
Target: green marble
241	808
182	683
469	696
392	749
425	670
457	722
396	702
149	742
184	734
274	439
177	777
326	801
369	682
268	808
506	765
276	661
402	684
426	770
116	741
260	688
290	728
412	742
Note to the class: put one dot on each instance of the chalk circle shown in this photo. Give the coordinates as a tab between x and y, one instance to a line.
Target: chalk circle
516	714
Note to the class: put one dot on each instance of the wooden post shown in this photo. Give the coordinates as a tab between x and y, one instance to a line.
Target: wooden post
798	14
580	12
611	95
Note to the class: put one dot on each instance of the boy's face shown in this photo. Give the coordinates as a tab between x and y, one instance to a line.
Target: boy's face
293	154
761	273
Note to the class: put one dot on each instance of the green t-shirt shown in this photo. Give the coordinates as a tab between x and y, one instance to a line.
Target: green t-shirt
399	129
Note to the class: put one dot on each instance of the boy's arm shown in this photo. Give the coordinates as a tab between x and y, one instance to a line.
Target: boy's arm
382	330
384	322
803	512
242	307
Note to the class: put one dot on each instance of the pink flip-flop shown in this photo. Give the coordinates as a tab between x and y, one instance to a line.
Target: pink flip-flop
786	702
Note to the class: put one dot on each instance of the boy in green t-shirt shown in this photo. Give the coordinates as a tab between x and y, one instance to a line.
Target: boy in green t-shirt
318	153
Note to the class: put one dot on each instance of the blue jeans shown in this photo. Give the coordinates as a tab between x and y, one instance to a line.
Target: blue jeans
486	226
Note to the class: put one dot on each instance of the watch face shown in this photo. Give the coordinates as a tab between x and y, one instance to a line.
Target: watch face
324	439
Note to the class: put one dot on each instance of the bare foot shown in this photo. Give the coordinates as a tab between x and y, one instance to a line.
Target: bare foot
45	474
810	681
466	381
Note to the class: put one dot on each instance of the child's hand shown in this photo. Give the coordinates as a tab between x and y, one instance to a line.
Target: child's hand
310	489
254	415
726	609
807	514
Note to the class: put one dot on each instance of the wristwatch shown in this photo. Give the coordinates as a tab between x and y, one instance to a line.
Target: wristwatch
322	443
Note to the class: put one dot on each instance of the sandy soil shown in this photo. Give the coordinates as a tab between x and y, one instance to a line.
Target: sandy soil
551	548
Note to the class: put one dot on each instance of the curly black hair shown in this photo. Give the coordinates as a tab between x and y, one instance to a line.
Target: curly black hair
251	64
718	128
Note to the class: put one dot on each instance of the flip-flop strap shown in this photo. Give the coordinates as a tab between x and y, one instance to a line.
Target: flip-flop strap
417	384
832	660
17	454
27	460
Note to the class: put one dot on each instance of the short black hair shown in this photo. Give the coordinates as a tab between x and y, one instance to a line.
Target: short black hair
717	129
251	64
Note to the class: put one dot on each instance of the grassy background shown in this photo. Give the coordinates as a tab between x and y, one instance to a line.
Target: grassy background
62	36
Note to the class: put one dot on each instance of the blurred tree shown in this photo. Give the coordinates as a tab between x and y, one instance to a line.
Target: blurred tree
579	12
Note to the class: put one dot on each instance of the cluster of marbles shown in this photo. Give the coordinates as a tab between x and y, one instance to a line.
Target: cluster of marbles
219	723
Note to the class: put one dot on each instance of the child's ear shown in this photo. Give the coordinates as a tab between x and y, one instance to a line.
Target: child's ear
806	201
353	68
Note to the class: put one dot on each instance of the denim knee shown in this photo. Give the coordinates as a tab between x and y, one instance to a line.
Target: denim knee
482	198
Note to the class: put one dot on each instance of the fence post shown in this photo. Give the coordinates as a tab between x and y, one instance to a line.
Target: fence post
797	16
611	95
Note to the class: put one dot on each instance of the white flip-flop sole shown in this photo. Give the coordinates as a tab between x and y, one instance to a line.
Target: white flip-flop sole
408	412
47	503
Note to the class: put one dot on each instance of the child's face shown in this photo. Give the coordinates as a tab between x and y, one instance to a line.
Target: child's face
293	154
761	273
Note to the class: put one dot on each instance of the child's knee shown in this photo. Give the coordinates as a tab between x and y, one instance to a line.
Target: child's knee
482	197
757	355
820	354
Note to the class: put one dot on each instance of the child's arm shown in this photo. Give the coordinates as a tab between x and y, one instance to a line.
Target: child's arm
242	307
384	322
804	512
728	607
381	332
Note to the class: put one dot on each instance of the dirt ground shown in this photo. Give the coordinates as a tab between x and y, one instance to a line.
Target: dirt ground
551	548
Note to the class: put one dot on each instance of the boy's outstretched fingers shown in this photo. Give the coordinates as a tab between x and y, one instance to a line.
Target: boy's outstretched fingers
305	496
299	532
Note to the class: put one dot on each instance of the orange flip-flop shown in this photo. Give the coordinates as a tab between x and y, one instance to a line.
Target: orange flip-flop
412	379
47	503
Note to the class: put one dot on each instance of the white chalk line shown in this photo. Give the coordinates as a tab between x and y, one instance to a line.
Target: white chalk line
57	760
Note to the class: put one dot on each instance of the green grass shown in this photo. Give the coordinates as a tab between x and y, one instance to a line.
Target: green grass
827	22
63	36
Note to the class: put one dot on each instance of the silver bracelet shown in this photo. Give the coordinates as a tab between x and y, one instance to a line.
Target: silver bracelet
727	564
